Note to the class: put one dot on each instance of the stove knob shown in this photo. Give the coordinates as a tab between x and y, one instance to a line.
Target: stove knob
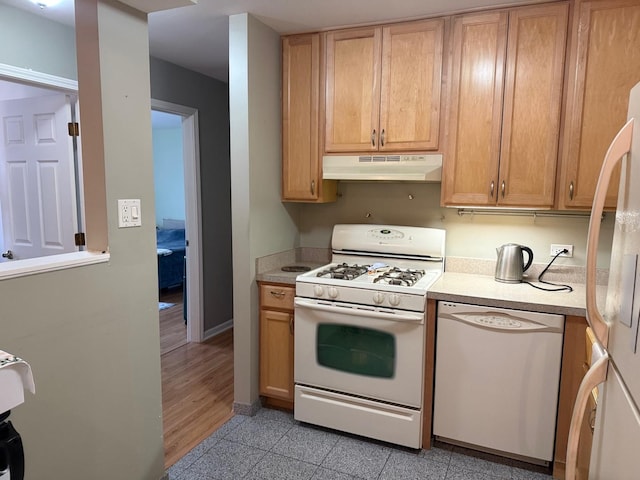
394	299
318	291
333	292
378	298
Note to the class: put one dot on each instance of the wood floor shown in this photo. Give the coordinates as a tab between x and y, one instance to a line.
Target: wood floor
173	330
197	386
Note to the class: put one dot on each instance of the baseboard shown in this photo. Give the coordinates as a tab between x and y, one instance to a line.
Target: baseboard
218	329
247	409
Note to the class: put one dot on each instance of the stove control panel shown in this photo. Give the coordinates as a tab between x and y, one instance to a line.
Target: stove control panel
394	299
362	296
385	234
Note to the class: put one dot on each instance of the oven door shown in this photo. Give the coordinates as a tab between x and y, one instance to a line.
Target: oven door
357	350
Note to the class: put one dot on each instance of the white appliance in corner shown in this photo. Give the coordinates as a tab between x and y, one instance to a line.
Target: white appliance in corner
615	366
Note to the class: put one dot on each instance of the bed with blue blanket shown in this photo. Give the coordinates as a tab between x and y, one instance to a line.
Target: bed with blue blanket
171	247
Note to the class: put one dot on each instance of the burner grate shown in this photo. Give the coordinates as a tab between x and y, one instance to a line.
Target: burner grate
343	271
400	276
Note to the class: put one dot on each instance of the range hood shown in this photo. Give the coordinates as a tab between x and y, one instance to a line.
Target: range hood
415	168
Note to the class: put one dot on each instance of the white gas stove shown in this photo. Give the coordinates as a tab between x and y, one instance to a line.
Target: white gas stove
360	331
380	266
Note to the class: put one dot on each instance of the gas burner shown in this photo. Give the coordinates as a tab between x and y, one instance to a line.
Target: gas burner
343	271
400	276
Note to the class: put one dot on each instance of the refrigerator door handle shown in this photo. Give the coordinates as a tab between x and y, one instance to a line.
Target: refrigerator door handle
620	146
596	375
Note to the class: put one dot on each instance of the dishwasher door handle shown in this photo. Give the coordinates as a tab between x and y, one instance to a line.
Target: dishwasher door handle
500	322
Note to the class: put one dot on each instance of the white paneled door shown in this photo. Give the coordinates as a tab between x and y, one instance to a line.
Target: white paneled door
37	195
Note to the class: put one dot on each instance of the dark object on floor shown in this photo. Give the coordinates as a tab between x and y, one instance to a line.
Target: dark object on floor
171	250
11	451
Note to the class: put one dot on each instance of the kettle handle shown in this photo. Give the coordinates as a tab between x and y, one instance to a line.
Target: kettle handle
530	259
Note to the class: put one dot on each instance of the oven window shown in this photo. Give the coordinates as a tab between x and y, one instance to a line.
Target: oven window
362	351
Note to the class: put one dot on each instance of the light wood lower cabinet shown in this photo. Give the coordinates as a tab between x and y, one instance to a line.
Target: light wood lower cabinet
276	343
574	358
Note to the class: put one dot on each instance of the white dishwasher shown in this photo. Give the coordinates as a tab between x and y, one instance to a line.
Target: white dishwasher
497	377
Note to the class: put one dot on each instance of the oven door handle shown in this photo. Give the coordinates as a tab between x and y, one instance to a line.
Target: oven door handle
400	316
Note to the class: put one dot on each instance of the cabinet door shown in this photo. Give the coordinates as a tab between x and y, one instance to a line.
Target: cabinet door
352	90
410	86
604	65
532	104
300	102
276	354
470	170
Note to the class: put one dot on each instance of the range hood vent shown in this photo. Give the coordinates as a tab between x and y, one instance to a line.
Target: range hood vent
415	168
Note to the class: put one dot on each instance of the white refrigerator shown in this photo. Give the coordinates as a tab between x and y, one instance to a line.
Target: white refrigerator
615	367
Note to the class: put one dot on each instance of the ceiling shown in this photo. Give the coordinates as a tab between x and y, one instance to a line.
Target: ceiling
197	37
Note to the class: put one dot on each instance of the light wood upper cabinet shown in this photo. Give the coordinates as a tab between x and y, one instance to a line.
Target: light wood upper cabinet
383	88
301	160
604	65
505	104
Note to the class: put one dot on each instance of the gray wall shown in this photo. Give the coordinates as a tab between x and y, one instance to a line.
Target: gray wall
210	97
261	223
36	50
91	333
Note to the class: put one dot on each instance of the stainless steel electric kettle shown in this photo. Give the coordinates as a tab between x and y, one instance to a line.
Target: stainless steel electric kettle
510	265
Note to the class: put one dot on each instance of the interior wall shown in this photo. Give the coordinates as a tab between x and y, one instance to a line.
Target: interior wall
26	42
168	174
91	333
261	223
174	84
467	236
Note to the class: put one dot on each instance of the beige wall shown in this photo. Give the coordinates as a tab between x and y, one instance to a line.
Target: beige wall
467	236
261	223
20	34
91	333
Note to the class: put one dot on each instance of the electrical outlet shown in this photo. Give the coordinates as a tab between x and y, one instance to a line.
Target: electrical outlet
129	213
555	248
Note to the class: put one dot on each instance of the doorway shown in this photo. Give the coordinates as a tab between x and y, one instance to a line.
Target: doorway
192	218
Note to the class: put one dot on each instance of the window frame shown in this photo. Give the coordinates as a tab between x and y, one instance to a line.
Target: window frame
31	266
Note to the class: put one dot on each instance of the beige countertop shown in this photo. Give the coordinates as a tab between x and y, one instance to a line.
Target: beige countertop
277	275
269	267
484	290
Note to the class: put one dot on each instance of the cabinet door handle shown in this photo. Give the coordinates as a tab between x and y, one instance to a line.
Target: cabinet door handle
373	138
291	326
277	294
502	188
491	188
313	187
571	190
382	138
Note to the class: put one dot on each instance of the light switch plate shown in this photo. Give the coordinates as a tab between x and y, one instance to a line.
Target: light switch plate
129	213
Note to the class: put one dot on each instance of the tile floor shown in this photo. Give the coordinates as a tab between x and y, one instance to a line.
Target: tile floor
272	445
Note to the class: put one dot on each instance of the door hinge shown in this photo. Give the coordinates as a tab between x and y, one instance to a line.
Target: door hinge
74	129
79	239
